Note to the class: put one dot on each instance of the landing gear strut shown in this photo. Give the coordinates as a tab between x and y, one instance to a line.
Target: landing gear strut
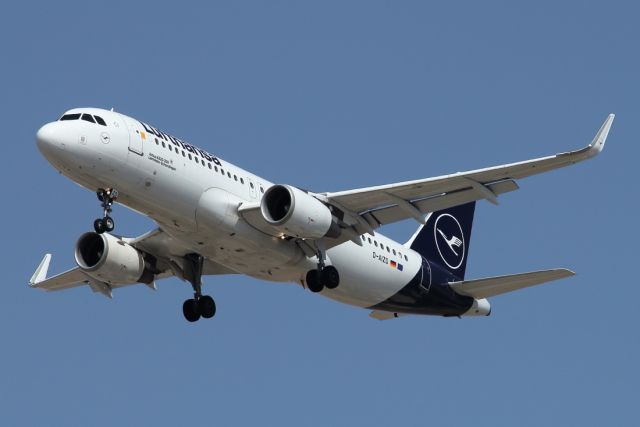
200	305
106	197
323	276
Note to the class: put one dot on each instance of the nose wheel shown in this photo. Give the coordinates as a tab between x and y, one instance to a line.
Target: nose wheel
107	197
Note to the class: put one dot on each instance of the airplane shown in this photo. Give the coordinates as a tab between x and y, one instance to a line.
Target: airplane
214	218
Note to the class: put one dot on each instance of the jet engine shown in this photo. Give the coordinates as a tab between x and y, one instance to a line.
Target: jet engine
108	259
296	213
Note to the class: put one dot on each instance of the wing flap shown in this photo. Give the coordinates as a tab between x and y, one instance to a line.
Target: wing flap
492	286
390	214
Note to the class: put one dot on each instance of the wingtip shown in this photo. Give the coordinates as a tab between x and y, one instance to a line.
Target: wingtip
41	272
597	145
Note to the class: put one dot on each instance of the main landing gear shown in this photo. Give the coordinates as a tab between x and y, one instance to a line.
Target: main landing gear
200	305
106	197
323	276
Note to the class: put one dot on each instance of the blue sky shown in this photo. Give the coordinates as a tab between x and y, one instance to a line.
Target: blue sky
331	96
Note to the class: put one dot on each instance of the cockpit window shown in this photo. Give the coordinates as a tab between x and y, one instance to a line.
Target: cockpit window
100	120
88	118
70	117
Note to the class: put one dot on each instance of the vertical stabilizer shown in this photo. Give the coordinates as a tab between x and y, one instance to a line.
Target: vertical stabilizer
444	239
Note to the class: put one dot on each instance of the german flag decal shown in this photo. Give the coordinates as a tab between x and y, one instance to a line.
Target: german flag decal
395	265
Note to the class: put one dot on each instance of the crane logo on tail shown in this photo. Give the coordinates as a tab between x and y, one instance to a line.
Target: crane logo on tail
449	240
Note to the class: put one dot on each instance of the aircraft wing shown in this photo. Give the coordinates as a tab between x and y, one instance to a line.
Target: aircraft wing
68	279
372	207
167	251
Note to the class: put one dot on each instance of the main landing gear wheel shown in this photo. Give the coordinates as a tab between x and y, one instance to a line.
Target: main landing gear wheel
107	197
200	305
190	310
207	306
323	276
194	308
328	278
313	281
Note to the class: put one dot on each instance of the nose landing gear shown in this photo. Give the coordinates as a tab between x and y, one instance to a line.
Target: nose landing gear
200	305
106	197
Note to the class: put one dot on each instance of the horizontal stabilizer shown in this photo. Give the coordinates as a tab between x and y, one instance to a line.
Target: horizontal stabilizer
492	286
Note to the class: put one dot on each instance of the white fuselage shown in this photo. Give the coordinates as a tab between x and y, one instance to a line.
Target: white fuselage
194	197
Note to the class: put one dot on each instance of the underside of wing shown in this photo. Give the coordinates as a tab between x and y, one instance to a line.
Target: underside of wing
170	251
69	279
156	254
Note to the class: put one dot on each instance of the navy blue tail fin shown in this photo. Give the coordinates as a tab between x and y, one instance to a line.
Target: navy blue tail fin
445	237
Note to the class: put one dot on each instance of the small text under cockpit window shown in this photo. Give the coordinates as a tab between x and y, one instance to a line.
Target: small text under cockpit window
88	118
70	117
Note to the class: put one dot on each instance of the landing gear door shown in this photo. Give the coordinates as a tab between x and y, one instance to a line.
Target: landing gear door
137	136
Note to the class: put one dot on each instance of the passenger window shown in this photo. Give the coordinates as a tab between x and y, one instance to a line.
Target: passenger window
375	243
157	143
235	177
222	171
261	189
70	117
202	161
369	240
163	145
388	250
251	184
170	148
215	168
99	120
406	258
190	158
183	155
241	180
209	165
88	118
229	174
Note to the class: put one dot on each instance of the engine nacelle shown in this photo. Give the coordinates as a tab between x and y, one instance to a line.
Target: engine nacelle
296	213
108	259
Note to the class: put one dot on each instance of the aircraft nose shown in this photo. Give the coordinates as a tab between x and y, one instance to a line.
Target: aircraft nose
45	136
49	137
